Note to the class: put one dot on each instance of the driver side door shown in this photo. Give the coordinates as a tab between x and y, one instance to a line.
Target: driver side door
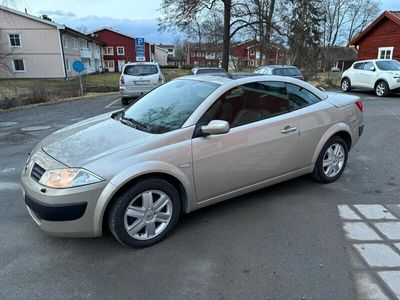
260	145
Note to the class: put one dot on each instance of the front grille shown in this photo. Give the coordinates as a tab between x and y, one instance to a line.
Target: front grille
37	172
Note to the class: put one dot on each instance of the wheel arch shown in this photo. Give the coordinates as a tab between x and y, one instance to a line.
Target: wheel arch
117	186
342	130
379	80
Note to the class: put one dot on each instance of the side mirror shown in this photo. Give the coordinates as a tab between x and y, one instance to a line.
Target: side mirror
372	69
215	127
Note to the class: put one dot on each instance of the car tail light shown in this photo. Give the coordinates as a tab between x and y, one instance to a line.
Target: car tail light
160	79
122	80
360	105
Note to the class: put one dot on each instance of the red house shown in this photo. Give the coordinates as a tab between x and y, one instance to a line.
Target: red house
381	39
119	49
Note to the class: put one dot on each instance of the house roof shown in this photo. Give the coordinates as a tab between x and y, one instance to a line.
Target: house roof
115	31
26	15
391	15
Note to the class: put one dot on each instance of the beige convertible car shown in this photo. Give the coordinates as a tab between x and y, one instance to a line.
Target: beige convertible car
189	143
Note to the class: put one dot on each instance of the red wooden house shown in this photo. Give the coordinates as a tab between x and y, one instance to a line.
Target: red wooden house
381	39
119	49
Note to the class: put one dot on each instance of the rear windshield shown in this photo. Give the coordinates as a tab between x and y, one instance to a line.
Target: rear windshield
140	70
388	65
287	72
208	71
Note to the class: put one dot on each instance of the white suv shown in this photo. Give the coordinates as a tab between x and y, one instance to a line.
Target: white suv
380	75
139	78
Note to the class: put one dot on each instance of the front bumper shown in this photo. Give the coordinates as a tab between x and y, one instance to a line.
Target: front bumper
60	212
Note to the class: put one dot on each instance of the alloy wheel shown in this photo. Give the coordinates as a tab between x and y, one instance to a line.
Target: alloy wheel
333	160
148	215
345	85
380	89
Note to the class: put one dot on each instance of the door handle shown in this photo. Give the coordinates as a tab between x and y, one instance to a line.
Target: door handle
288	129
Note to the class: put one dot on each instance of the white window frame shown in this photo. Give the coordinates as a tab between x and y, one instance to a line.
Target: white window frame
123	50
67	64
13	65
106	51
75	45
65	41
9	40
385	49
252	51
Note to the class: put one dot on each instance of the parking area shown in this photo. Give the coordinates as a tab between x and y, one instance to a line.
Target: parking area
295	240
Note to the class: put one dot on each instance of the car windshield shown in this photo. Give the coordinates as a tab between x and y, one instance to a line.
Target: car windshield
167	107
140	70
388	65
293	72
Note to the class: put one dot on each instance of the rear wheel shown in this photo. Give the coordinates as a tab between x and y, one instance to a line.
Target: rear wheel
145	213
346	85
331	160
381	89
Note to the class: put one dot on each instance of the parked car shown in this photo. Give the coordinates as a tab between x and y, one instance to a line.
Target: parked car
280	70
379	75
139	78
190	143
207	70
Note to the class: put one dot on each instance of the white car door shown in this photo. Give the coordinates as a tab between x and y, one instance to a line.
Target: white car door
368	75
356	74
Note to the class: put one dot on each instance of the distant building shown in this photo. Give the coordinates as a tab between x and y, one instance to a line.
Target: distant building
161	56
248	54
381	39
34	47
119	48
204	55
170	49
337	57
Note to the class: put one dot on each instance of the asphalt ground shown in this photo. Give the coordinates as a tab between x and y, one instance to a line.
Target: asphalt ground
287	241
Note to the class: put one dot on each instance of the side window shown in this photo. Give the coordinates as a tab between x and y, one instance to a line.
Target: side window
359	66
368	66
249	103
299	97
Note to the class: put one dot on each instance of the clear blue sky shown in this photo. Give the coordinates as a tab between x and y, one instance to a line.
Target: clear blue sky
136	17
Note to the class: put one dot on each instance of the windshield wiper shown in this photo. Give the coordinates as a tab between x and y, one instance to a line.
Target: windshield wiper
136	124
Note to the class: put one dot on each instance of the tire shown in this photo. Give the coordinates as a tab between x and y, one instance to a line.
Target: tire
124	101
321	173
144	234
346	85
381	89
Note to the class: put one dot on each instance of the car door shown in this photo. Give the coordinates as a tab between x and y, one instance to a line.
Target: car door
260	145
367	77
356	75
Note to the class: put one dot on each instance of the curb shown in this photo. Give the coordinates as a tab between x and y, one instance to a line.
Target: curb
52	102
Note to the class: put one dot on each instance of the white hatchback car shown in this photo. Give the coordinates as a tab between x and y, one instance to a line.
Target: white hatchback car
379	75
139	78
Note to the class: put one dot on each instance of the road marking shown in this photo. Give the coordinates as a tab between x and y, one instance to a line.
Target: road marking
7	124
375	212
368	288
378	255
112	103
35	128
390	229
9	186
360	231
375	248
392	279
347	213
8	170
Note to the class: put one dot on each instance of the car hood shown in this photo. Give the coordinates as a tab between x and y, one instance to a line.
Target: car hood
82	143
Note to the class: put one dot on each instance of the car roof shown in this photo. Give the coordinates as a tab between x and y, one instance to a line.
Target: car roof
372	60
231	82
277	66
141	63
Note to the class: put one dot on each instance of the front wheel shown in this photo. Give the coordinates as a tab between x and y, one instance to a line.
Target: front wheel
381	89
331	160
346	85
145	213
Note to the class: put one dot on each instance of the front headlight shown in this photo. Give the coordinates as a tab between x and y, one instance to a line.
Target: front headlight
67	178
